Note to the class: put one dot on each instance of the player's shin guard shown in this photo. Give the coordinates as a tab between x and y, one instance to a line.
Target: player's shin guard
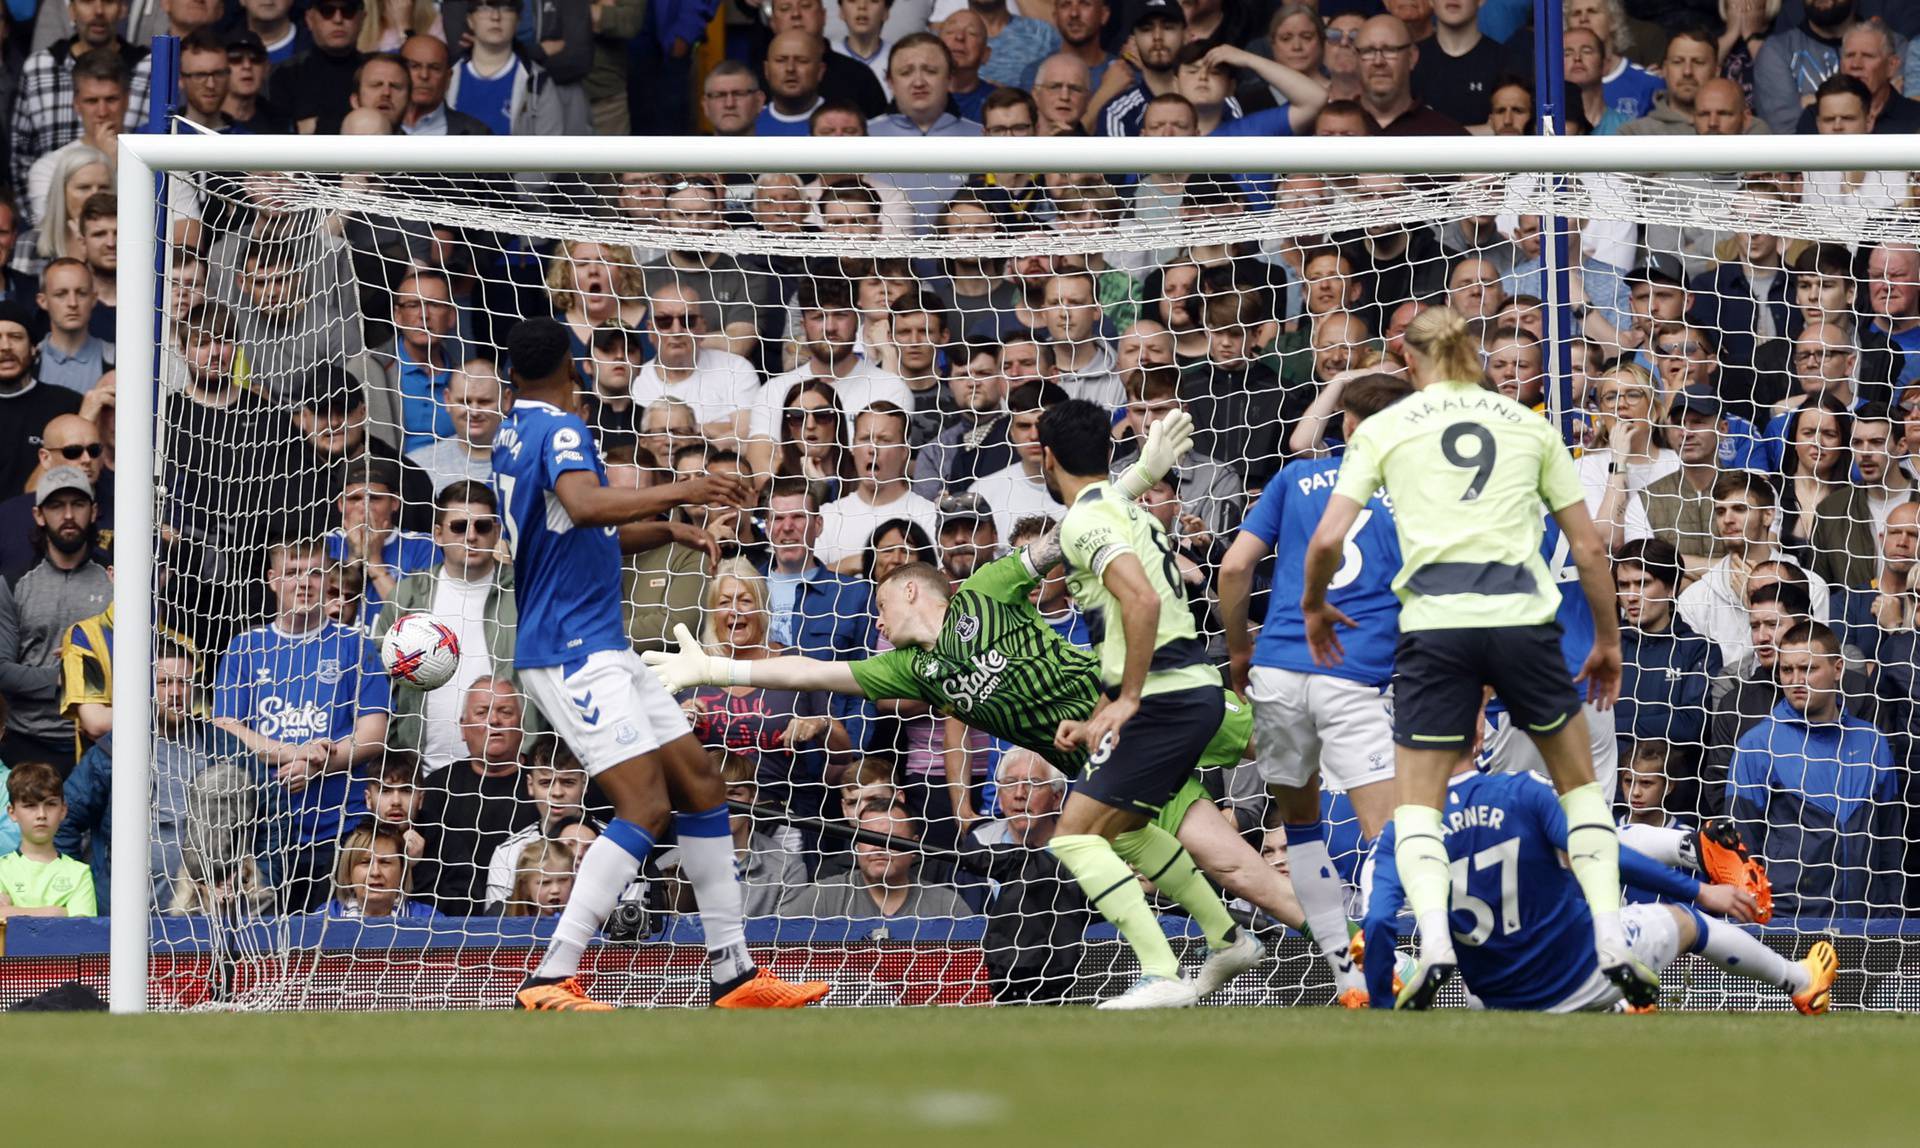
1164	861
1113	891
1740	952
1593	847
605	872
1318	886
1420	853
706	860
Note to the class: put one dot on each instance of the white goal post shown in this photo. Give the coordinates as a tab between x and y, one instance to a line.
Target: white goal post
143	158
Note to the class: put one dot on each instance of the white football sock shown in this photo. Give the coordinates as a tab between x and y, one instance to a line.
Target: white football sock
604	873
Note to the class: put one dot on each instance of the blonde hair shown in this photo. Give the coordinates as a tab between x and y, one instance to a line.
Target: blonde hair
534	860
1440	338
423	20
1631	376
55	241
741	571
628	284
359	844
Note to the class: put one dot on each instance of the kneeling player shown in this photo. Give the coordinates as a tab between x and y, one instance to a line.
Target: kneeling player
1525	934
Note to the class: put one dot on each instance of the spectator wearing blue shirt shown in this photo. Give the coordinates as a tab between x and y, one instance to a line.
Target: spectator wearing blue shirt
1816	795
1015	44
423	357
71	356
272	22
309	698
370	534
965	35
496	83
1893	297
810	609
795	65
1204	75
1663	686
920	70
1159	31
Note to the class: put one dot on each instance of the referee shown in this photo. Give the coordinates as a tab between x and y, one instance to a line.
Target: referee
1467	470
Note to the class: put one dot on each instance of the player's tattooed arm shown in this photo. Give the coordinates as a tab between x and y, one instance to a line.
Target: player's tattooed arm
1043	553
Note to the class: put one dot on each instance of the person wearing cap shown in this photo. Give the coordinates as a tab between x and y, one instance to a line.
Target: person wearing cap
247	104
270	22
494	82
968	537
332	420
1679	505
26	404
71	440
320	81
1159	31
40	604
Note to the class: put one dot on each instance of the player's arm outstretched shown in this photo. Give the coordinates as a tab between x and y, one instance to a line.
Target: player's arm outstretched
588	503
1168	441
691	666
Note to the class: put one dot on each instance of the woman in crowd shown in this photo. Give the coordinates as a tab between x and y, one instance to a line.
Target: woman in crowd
893	544
78	174
1628	451
593	285
813	438
787	734
370	877
1296	37
1826	522
390	22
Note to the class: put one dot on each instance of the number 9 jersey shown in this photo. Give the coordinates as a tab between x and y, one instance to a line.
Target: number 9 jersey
1285	517
1468	470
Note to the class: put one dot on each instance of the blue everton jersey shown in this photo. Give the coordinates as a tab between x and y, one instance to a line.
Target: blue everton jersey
298	688
1285	518
566	577
1521	928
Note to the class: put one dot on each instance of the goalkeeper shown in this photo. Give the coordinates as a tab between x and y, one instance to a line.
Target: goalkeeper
987	657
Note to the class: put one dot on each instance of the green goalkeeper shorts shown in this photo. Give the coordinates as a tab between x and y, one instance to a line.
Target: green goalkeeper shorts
1226	750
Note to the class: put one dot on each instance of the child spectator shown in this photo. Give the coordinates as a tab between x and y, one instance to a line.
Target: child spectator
543	881
1646	778
35	880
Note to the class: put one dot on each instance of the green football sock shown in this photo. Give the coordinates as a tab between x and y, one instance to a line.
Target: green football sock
1420	852
1112	889
1160	856
1593	849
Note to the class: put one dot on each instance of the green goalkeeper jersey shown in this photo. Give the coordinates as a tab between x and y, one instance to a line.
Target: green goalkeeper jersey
998	666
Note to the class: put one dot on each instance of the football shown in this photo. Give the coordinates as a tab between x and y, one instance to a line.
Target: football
421	651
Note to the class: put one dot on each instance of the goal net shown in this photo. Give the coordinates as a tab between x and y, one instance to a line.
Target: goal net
872	353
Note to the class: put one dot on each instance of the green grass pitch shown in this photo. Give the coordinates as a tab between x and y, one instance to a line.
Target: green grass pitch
982	1077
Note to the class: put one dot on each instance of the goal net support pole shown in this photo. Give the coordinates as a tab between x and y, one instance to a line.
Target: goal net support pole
142	158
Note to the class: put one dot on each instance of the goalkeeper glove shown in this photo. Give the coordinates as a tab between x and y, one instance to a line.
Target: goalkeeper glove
693	666
1168	441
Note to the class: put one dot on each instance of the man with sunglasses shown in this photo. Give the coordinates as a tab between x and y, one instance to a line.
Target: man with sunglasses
69	441
319	83
471	591
720	386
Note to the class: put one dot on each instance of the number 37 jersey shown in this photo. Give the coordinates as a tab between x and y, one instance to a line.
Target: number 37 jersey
1285	518
1467	470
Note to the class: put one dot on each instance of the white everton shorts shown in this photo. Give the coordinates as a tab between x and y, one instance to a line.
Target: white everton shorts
1305	724
1653	937
1508	749
608	709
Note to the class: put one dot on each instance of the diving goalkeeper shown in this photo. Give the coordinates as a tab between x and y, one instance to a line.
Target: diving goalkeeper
986	656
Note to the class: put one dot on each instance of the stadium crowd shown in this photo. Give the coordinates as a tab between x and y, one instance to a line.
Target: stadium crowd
331	388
